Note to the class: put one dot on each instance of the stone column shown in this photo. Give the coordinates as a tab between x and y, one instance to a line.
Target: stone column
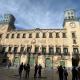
12	49
54	49
40	49
19	48
47	49
32	49
61	50
7	47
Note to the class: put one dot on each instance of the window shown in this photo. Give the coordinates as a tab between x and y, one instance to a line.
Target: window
21	49
36	49
30	35
7	35
15	49
44	35
28	49
69	17
64	35
0	35
24	35
65	51
43	50
57	35
51	50
75	50
58	50
3	49
73	35
68	13
37	35
71	13
12	36
72	17
74	41
18	35
50	35
9	50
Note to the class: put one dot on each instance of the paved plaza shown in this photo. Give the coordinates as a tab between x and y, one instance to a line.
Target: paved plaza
47	74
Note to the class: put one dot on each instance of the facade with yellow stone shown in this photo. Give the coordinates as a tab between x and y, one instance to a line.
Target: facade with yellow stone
48	47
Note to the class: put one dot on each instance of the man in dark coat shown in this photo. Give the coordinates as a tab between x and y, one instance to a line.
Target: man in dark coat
27	70
60	70
74	73
35	70
39	70
20	69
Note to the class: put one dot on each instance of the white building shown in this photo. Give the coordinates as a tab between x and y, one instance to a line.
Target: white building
48	47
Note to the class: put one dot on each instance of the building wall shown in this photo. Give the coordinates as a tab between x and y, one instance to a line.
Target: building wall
70	26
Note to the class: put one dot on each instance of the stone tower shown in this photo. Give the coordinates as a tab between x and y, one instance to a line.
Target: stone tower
70	14
7	23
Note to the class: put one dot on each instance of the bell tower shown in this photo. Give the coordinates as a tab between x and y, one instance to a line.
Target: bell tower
70	18
69	14
7	23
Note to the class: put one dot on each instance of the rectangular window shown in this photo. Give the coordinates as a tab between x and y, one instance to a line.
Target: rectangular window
58	50
0	35
28	49
44	50
57	35
22	49
12	36
24	35
73	35
15	49
30	35
50	35
18	35
75	50
44	35
9	50
64	35
74	41
37	35
36	49
65	51
3	49
7	35
51	50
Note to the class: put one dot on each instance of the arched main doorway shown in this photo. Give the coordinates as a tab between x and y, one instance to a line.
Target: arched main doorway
32	61
48	63
16	61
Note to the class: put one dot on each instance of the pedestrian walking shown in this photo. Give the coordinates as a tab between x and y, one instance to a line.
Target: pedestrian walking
25	70
28	70
35	70
78	73
65	73
9	64
20	69
60	71
39	70
74	73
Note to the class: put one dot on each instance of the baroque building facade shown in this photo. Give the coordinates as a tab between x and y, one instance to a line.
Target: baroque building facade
48	47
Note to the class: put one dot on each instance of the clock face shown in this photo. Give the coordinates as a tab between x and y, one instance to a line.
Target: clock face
72	24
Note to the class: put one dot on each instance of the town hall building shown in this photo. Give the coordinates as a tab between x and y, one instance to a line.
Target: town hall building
48	47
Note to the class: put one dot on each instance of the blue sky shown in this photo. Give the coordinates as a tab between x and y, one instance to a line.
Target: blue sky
38	13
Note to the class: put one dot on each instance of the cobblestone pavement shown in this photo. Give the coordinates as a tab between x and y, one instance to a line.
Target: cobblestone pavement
47	74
